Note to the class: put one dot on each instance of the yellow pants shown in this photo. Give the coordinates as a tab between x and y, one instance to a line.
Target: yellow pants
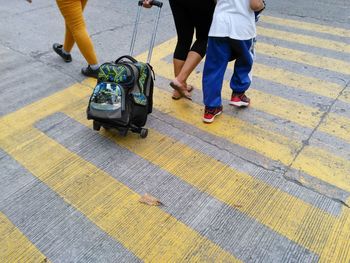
72	11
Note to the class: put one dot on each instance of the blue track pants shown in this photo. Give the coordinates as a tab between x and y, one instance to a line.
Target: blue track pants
220	51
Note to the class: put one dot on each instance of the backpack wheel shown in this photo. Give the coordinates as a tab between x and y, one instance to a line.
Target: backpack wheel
123	132
96	126
143	133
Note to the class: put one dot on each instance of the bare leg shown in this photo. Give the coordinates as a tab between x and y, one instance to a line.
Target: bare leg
178	64
192	60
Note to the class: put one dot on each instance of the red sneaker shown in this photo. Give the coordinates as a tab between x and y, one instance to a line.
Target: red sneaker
211	113
239	100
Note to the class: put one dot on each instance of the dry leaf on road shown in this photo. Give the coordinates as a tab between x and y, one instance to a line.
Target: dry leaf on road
150	200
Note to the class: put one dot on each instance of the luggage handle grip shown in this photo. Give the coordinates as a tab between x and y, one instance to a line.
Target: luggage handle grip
140	3
127	57
154	2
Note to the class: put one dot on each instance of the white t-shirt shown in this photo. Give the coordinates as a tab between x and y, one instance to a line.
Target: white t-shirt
234	19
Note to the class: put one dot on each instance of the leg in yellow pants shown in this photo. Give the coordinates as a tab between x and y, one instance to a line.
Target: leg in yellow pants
72	11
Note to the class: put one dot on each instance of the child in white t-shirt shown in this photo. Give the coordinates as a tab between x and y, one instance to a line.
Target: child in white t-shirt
231	37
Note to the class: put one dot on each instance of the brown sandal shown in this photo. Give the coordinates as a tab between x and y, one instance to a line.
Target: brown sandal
189	89
181	91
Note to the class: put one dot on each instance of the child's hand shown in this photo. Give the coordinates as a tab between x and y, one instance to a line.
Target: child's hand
257	5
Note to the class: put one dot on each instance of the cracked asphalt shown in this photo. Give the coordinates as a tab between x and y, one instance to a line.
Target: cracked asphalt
269	183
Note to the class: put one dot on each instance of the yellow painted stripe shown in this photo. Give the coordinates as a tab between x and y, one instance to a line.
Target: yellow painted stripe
306	26
334	166
14	246
304	39
337	248
306	116
31	147
279	211
66	190
275	146
336	125
150	233
278	75
40	109
345	96
325	166
297	81
335	170
98	195
270	144
301	114
303	57
274	105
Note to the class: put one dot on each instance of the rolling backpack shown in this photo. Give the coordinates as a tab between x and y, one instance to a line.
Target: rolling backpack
123	96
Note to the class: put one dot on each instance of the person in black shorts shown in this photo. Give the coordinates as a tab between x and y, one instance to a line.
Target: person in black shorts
190	17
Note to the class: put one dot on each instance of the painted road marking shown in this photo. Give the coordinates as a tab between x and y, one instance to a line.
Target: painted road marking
303	39
293	55
149	232
306	26
269	144
14	246
325	166
338	245
40	110
270	73
67	182
251	196
77	180
335	124
298	81
330	168
36	146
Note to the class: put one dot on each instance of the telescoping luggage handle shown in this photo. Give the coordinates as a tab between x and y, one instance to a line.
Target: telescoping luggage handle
134	34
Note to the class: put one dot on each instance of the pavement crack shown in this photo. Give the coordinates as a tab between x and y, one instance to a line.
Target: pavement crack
297	182
117	27
30	10
12	49
108	30
36	56
122	26
341	202
306	143
324	115
34	10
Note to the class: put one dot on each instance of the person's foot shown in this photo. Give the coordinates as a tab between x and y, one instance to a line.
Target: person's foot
239	100
176	95
89	72
182	89
58	48
211	113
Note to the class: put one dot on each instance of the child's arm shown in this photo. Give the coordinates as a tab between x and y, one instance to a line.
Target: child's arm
257	5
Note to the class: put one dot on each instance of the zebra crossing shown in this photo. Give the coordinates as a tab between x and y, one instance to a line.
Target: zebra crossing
269	183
